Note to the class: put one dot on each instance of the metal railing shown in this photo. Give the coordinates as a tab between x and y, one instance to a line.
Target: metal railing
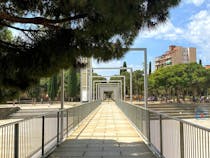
167	136
38	136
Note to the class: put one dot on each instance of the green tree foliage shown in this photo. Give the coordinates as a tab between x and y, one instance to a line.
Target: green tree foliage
98	77
127	81
53	87
138	82
44	86
200	61
72	88
6	92
6	35
124	66
34	92
179	81
55	34
78	85
150	68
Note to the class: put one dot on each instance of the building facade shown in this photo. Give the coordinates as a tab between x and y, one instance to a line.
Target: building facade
207	66
176	55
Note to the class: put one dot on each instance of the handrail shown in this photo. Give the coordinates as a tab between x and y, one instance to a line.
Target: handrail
171	117
167	136
36	136
40	115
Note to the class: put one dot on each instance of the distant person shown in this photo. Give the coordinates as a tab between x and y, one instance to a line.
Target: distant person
207	99
41	100
49	100
47	97
194	99
202	99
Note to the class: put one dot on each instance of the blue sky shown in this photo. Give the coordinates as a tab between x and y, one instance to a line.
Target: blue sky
188	25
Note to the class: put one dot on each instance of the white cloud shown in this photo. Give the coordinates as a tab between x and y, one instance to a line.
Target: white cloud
113	63
108	72
195	2
135	67
163	31
198	28
196	32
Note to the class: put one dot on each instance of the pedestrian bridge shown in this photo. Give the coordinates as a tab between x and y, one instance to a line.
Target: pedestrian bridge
105	133
105	130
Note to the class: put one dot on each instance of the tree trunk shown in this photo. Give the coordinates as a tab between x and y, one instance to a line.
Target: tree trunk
177	96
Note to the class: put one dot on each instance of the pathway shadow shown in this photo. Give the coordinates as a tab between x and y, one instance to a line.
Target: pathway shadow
101	148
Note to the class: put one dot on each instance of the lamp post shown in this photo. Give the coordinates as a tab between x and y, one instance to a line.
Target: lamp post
62	101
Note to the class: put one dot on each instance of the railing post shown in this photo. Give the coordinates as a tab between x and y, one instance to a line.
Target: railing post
136	111
62	105
43	130
61	126
181	140
161	137
58	122
74	117
77	116
148	126
16	141
67	122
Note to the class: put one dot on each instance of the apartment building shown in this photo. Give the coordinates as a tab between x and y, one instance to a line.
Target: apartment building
176	55
207	66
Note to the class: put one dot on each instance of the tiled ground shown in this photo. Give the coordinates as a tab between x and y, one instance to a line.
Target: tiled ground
105	134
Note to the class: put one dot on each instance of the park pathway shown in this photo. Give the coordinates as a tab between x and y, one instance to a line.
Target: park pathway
106	133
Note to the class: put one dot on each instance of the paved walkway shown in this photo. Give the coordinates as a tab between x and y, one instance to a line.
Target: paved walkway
105	134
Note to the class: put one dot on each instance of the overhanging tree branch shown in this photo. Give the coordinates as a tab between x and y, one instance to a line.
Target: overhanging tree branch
62	40
17	28
11	45
39	20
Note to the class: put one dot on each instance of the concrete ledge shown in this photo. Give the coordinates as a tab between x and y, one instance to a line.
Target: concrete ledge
5	112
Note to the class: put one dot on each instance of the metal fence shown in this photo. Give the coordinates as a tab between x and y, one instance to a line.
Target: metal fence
168	137
37	136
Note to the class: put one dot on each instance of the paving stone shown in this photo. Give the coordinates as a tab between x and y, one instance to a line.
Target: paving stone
103	153
105	134
68	153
